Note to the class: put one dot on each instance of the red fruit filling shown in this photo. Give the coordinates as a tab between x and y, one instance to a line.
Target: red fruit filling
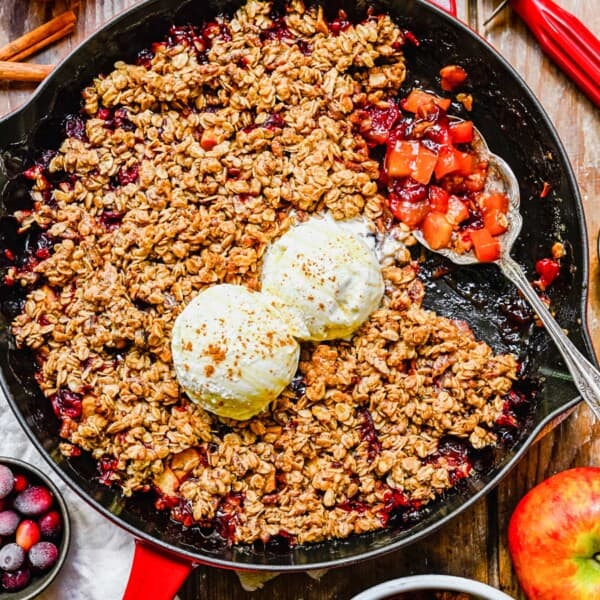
433	175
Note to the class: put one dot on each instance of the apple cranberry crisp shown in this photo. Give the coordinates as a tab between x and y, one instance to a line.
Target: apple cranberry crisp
175	176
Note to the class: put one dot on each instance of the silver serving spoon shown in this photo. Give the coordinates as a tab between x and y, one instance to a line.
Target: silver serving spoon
501	178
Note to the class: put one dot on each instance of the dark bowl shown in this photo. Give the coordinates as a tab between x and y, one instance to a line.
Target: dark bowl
516	128
39	584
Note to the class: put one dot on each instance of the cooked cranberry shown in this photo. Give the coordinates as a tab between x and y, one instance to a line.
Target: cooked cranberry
438	134
274	121
66	404
104	113
33	172
110	219
402	130
278	31
298	385
304	47
340	23
410	36
226	518
186	35
548	270
45	159
368	433
107	466
182	513
27	534
144	58
353	506
518	312
43	246
409	190
128	175
379	122
474	220
74	126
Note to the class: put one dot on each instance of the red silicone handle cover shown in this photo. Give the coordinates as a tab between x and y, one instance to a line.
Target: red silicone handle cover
155	575
574	48
447	5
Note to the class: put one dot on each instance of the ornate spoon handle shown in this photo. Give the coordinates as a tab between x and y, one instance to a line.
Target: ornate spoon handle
585	376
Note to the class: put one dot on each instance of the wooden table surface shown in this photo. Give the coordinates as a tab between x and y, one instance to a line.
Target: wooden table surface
474	544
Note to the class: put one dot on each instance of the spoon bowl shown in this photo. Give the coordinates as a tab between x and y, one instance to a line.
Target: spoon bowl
501	178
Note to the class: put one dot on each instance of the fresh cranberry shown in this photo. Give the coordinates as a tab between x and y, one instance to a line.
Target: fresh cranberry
27	534
12	557
43	555
7	481
50	525
17	580
20	483
9	520
35	500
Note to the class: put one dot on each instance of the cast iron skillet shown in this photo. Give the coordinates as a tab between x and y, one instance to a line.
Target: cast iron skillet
515	127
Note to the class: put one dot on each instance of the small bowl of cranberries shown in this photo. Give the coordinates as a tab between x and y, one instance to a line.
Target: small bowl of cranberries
34	530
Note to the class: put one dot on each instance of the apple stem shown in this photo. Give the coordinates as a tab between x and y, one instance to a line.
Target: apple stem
596	557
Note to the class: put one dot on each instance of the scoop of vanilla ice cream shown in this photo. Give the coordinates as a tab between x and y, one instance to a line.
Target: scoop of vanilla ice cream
233	351
326	278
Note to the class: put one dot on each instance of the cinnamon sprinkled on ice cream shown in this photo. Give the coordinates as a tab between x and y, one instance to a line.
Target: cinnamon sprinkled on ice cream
233	351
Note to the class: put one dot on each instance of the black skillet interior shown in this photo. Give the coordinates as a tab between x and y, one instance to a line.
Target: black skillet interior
515	127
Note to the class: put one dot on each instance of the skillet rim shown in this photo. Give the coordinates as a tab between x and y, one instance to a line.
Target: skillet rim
195	558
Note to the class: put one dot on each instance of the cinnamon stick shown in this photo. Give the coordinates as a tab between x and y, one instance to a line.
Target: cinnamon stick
38	38
15	71
61	33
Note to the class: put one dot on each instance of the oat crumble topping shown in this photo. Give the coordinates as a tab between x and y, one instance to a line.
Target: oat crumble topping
189	166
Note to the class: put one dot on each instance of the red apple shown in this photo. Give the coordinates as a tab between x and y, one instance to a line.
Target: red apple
554	537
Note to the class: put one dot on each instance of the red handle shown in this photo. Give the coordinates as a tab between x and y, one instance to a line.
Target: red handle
447	5
574	48
155	575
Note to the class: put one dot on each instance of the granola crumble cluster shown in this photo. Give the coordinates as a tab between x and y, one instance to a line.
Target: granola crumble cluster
184	169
